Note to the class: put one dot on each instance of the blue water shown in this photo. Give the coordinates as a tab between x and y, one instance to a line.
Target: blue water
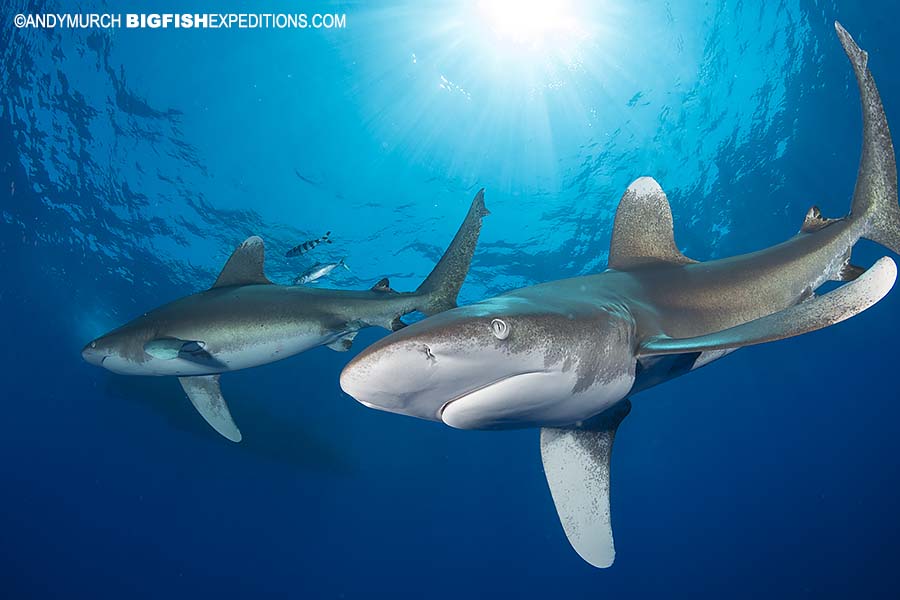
133	161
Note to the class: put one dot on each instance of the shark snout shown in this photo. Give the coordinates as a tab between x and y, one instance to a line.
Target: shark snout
94	354
394	378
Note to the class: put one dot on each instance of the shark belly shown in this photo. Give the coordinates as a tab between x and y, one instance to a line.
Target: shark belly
268	350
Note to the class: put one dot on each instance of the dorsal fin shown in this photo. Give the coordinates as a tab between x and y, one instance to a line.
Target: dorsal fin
814	221
384	285
245	267
642	232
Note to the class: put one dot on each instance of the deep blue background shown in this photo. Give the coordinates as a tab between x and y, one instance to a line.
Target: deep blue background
132	162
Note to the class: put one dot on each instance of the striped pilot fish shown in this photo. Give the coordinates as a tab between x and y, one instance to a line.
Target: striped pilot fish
307	246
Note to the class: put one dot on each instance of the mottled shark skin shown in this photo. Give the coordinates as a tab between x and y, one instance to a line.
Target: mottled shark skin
567	356
245	321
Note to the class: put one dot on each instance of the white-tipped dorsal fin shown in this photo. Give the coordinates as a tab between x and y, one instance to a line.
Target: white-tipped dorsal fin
642	231
245	266
206	396
811	315
577	465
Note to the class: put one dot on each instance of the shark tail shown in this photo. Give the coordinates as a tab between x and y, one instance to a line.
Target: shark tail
875	196
439	290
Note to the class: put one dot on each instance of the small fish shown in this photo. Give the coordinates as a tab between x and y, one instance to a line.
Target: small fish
318	271
307	246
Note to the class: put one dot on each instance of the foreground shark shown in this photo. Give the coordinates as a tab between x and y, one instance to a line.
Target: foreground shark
245	321
566	356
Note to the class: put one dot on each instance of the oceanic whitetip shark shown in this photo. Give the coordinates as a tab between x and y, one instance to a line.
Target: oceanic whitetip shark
245	321
566	356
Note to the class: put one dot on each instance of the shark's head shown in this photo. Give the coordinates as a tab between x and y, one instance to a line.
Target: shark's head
122	350
505	362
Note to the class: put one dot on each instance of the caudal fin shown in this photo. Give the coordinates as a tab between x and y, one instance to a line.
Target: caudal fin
440	288
875	196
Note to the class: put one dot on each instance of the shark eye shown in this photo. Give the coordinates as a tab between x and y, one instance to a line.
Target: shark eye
500	329
93	345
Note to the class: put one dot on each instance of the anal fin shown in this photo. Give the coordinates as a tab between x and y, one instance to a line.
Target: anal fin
577	466
343	343
847	271
850	272
206	396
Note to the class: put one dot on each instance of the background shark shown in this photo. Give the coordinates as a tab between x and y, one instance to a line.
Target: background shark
245	321
565	356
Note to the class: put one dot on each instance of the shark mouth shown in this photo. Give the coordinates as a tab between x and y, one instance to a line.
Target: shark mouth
481	388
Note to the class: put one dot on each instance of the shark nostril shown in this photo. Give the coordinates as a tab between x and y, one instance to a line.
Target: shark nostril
93	345
428	354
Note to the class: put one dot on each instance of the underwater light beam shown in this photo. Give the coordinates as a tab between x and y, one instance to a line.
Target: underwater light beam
531	23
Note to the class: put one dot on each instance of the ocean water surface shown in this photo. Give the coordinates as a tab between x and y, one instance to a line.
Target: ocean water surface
133	161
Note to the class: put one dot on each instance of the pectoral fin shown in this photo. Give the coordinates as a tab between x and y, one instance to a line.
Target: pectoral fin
204	393
577	465
813	314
